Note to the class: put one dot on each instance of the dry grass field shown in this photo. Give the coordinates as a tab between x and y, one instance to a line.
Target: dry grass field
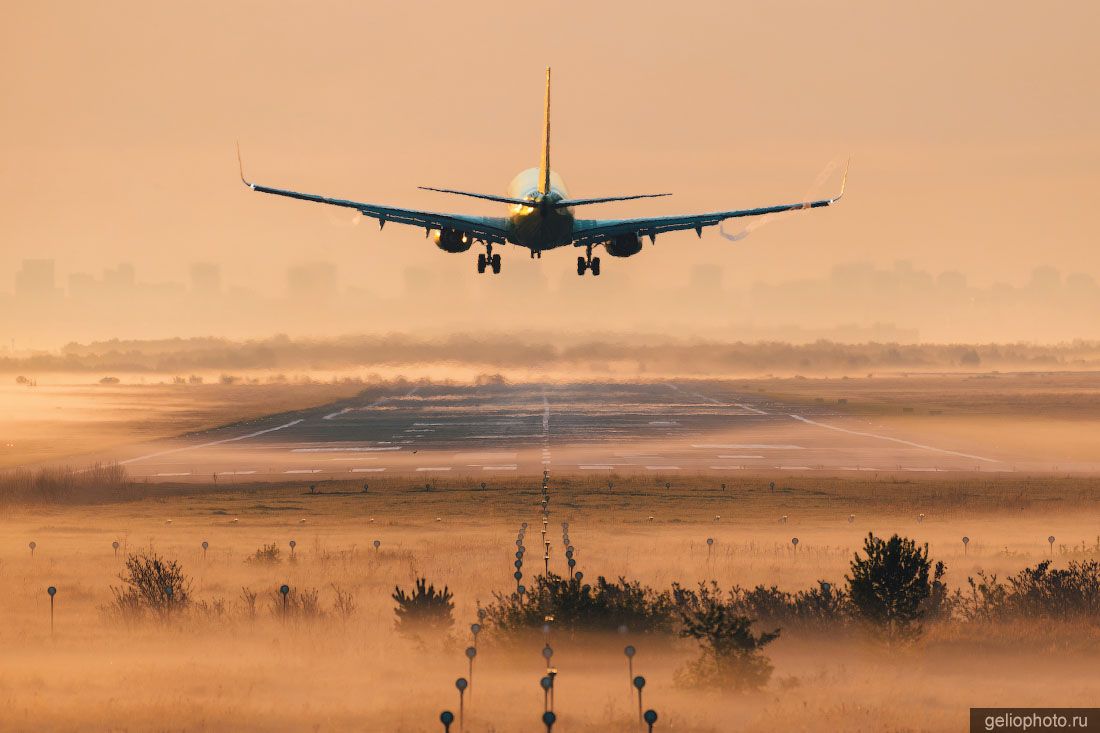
223	669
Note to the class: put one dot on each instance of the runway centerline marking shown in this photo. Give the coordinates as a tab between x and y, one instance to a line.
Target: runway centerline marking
894	440
292	423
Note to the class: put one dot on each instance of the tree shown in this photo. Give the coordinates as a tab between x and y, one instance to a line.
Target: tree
732	655
894	587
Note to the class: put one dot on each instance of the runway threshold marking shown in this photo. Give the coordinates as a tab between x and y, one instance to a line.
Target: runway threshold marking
376	403
713	401
894	440
367	470
292	423
663	468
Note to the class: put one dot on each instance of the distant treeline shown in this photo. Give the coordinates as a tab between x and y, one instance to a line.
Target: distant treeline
635	353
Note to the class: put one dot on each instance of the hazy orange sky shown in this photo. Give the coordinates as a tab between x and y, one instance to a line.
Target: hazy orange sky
974	131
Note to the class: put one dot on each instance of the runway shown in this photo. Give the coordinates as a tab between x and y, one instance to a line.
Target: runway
591	428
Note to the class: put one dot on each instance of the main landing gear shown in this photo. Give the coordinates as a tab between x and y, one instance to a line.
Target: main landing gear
588	263
488	260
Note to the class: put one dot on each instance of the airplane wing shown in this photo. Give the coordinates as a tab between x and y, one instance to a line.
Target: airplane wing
594	231
487	228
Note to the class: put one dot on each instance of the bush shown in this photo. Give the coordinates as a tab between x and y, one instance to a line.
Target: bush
302	604
894	588
579	606
266	555
1037	592
151	586
424	609
345	604
732	655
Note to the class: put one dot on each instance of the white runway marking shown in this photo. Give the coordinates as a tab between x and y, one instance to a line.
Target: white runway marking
367	470
369	449
182	473
208	445
485	456
595	468
235	473
743	406
726	468
376	403
303	470
738	457
894	440
663	468
749	446
794	468
499	468
663	422
433	468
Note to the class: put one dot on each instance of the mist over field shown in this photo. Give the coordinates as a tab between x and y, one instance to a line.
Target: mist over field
531	354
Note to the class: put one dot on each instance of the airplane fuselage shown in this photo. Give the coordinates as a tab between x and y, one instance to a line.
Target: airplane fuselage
539	226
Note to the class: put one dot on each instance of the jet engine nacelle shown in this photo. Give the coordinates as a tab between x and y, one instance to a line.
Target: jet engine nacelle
624	246
450	240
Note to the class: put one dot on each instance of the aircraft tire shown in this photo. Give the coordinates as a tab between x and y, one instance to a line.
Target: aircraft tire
596	266
581	266
496	264
481	263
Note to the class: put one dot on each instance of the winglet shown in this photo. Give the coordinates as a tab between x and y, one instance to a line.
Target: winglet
844	180
240	166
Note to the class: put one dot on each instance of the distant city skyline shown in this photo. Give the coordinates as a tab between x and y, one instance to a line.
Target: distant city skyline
47	306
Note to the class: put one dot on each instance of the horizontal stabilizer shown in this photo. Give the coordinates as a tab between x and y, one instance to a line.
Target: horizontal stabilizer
486	196
583	202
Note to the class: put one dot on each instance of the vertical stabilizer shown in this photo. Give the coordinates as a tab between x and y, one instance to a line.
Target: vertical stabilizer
544	164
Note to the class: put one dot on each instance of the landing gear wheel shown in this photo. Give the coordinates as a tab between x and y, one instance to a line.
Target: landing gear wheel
581	266
595	266
481	263
496	264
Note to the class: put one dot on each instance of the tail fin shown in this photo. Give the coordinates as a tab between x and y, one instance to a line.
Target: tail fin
544	165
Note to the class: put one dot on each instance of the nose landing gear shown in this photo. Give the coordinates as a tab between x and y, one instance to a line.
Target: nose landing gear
588	263
489	260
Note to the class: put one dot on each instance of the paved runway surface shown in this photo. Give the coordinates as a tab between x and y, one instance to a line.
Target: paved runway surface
499	429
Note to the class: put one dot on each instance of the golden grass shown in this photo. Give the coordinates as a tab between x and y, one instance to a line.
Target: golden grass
232	674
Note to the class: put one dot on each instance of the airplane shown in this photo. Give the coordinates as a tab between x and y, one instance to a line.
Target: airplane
540	216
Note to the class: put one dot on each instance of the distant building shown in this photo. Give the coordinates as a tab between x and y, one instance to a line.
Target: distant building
119	278
206	278
36	280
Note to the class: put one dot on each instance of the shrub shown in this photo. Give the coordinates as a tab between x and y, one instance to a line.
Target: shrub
732	655
1037	592
151	585
248	601
266	555
579	606
345	604
424	609
302	604
894	587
